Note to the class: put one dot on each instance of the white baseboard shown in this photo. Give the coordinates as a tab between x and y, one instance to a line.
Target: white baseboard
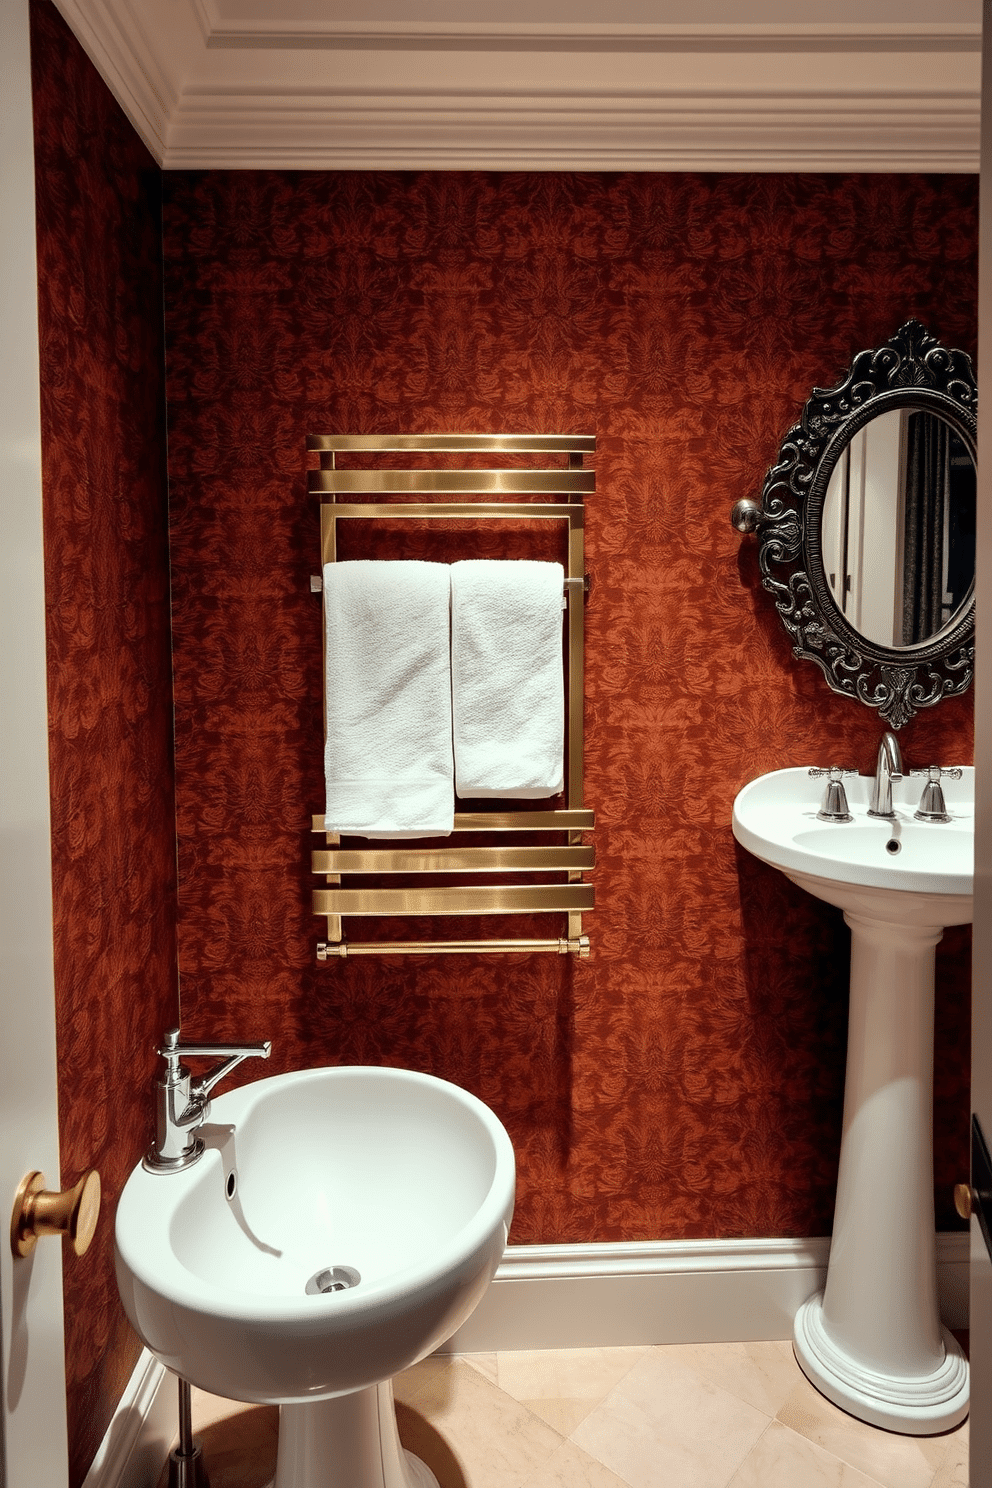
667	1291
576	1296
140	1436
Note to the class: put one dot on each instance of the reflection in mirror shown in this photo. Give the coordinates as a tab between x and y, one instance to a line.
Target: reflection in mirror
898	527
866	527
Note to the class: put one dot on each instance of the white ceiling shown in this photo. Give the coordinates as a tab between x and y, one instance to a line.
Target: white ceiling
544	84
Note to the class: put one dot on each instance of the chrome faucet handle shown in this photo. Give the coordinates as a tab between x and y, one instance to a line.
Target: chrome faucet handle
230	1056
932	807
834	807
172	1047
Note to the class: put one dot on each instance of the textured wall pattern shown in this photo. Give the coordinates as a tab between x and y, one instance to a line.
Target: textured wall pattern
686	1080
109	680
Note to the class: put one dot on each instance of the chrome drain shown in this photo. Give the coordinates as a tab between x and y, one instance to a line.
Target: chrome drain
332	1279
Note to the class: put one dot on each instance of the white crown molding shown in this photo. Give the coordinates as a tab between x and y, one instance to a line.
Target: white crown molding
575	133
130	62
571	36
219	84
620	23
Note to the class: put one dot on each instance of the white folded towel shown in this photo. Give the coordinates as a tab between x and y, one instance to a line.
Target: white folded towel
507	679
388	759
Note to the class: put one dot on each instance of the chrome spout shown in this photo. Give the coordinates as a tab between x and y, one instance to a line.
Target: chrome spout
888	767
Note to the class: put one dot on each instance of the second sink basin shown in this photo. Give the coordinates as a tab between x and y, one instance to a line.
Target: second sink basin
775	818
872	1340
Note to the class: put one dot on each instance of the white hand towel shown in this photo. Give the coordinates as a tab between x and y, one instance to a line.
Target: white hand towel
507	680
388	759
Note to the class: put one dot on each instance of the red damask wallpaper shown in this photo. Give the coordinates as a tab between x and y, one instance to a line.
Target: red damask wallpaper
686	1080
109	673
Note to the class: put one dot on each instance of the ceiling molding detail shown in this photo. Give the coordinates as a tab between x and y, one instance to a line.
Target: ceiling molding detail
574	133
129	64
284	30
251	84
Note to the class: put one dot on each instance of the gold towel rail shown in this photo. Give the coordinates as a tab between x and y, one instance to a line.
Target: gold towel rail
450	482
511	821
455	860
456	899
326	950
559	496
436	444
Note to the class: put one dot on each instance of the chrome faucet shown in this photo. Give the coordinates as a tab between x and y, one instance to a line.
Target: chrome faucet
182	1103
887	768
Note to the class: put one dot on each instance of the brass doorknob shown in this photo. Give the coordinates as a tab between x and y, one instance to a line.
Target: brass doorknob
964	1199
72	1213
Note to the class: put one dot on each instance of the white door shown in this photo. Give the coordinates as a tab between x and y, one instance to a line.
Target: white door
32	1408
981	1054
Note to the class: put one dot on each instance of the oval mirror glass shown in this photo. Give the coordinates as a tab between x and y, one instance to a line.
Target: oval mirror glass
898	528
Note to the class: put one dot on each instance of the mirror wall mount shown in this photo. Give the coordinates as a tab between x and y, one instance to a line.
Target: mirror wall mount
912	373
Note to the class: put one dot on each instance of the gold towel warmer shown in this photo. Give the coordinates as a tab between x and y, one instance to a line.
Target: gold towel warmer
565	489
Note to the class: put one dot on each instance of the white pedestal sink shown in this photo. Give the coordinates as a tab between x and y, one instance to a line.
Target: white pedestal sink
872	1340
341	1224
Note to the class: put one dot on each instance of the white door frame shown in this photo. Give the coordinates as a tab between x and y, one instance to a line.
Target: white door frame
981	1057
32	1407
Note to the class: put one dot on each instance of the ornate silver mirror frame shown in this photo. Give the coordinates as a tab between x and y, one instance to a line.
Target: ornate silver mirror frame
912	372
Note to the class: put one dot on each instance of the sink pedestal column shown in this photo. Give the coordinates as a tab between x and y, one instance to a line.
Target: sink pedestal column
872	1340
350	1441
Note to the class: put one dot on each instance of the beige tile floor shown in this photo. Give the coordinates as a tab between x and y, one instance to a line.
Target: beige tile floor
732	1415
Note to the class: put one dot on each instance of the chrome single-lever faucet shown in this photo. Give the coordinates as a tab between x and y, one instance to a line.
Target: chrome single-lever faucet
182	1103
888	768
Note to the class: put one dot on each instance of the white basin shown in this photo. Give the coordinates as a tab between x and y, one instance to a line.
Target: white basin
872	1340
403	1178
775	818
